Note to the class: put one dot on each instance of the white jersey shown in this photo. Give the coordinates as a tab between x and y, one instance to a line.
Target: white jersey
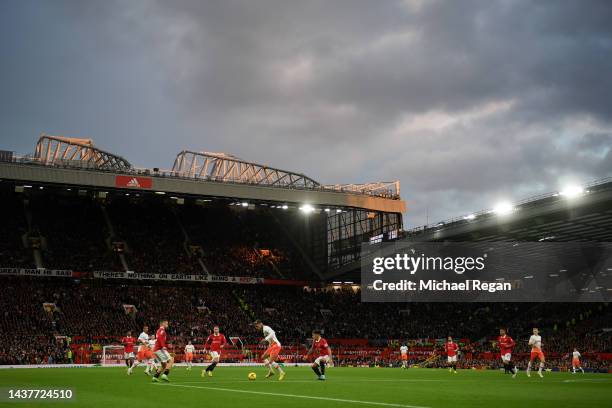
270	336
152	342
576	355
535	342
189	348
404	350
143	340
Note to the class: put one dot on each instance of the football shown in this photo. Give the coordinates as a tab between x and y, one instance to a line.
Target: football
252	376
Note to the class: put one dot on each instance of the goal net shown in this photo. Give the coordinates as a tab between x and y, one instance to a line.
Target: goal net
112	355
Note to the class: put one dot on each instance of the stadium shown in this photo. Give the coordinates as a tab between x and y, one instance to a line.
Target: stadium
310	204
94	248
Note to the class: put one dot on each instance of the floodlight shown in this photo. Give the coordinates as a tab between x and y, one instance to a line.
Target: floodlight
307	208
503	208
572	191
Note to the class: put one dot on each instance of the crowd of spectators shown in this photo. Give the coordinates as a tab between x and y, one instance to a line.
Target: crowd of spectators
139	234
38	311
230	239
154	240
13	252
74	233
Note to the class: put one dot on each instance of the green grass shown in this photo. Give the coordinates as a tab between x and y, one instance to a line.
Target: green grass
345	387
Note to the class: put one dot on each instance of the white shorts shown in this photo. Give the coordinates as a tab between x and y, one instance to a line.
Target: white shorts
214	355
452	359
162	356
506	357
127	356
322	359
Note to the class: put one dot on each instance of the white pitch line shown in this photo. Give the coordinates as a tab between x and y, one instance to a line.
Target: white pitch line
276	394
335	380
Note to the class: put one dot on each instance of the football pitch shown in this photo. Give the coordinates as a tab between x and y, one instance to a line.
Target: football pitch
345	387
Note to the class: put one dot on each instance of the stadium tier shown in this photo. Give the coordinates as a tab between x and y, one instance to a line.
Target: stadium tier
188	213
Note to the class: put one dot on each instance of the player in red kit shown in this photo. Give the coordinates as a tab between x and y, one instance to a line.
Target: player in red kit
505	344
451	349
161	353
214	343
320	346
128	350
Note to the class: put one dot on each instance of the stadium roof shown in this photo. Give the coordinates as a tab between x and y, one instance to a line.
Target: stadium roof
77	162
579	213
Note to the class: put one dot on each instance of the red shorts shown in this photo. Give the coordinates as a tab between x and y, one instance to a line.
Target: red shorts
536	354
404	357
188	356
575	362
273	351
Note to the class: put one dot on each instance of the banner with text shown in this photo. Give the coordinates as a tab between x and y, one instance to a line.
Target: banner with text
177	277
36	272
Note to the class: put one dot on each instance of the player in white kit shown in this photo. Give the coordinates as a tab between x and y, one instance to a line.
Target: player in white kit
142	355
535	341
404	356
271	354
189	348
576	361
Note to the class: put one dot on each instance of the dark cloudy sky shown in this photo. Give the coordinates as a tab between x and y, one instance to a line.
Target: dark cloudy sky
465	102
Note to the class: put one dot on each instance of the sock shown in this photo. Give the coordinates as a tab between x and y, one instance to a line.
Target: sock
275	365
167	371
322	368
541	366
529	366
316	370
211	366
157	374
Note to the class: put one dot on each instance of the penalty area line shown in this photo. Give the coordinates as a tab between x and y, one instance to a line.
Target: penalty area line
278	394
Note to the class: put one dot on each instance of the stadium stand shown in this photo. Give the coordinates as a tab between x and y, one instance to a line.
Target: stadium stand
151	235
15	232
93	314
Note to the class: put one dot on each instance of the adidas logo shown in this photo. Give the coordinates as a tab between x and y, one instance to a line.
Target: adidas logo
133	182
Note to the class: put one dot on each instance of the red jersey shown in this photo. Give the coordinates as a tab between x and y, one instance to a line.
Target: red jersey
128	343
215	343
160	339
451	348
505	344
321	346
